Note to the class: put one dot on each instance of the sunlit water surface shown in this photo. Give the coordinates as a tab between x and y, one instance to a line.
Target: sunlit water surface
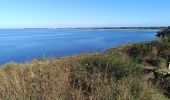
22	45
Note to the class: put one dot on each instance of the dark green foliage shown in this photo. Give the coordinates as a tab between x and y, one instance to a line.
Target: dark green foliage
164	32
151	52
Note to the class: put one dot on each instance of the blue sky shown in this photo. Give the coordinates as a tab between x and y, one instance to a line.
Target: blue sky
83	13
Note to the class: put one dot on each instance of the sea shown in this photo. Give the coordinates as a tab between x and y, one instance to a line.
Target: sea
24	45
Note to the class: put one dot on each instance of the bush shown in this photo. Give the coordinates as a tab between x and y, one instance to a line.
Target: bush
162	64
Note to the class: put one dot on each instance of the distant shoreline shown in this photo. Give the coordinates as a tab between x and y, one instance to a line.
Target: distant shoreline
118	29
124	28
98	28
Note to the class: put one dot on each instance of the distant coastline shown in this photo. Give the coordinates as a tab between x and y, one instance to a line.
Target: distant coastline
108	28
96	28
124	28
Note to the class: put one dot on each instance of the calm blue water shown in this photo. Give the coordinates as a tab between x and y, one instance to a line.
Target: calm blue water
22	45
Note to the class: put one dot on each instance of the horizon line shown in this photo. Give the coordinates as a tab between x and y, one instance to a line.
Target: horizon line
82	27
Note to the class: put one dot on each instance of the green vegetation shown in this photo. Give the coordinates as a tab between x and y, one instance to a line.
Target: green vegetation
116	74
164	32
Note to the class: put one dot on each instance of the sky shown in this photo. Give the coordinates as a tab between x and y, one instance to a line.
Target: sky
83	13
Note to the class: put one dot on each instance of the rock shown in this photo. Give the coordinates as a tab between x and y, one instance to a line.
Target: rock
150	69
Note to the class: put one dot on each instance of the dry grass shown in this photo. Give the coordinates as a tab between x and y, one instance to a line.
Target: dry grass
36	80
89	77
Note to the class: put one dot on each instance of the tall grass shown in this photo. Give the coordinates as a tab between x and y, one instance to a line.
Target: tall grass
107	76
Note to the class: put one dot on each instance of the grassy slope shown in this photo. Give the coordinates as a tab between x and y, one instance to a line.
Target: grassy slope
116	74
